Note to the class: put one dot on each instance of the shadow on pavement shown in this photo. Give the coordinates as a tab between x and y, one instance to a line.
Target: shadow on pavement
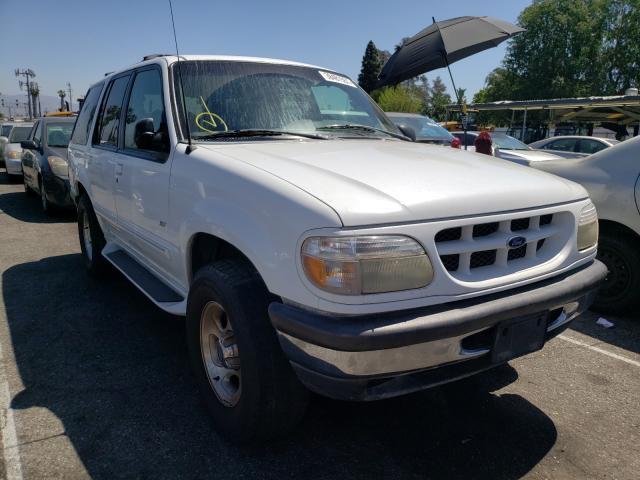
114	370
7	179
22	207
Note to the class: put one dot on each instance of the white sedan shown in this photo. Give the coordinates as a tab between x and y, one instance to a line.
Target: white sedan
508	148
573	146
612	177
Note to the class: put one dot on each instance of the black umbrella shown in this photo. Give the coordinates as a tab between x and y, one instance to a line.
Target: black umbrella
443	43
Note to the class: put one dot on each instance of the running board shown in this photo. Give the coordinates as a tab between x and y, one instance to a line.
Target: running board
159	292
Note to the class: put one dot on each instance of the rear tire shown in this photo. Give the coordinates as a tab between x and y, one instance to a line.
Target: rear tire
91	238
265	400
619	293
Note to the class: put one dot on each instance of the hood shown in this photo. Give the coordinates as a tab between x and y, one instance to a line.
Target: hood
388	181
12	147
526	156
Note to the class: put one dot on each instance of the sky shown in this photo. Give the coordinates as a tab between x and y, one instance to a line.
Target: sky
79	41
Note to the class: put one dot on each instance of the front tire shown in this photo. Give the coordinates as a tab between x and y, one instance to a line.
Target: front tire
619	293
91	238
44	202
27	188
248	385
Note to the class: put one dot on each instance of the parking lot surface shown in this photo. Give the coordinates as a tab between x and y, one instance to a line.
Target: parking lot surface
95	383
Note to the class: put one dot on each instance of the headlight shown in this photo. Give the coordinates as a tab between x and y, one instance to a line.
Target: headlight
59	166
14	155
366	264
588	227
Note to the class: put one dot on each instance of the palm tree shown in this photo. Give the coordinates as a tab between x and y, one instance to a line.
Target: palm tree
62	94
35	93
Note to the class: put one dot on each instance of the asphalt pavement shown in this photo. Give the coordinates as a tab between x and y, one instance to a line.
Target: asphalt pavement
95	383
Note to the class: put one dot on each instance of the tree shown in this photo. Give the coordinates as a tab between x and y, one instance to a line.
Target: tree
570	48
436	108
399	99
370	68
62	94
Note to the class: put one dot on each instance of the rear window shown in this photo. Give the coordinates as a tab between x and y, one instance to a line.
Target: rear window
19	134
58	134
425	128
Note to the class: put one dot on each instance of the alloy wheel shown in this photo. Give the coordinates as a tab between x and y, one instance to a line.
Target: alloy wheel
220	354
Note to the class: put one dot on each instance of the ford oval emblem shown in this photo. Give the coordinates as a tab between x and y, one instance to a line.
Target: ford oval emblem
516	242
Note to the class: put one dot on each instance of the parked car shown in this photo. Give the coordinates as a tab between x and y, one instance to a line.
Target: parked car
573	146
426	129
508	148
44	161
612	177
310	244
13	150
5	130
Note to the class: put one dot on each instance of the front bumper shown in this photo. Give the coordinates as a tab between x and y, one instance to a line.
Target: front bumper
378	356
13	166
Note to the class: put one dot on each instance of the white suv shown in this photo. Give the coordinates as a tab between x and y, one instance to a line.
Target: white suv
309	243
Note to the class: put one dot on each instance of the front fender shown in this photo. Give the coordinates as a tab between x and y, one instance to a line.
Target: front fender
258	213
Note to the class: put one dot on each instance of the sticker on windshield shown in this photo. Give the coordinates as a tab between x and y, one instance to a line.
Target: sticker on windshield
332	77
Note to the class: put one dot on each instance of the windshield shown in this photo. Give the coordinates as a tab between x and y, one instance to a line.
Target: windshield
19	134
505	142
58	134
6	130
425	128
225	96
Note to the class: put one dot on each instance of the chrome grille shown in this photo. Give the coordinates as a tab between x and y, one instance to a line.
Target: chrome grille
467	249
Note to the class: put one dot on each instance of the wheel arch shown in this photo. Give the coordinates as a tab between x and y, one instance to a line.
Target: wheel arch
204	248
613	227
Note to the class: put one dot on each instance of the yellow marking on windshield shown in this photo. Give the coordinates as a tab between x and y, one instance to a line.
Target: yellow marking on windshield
209	120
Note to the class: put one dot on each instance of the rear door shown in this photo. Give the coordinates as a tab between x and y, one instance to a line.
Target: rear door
589	146
104	156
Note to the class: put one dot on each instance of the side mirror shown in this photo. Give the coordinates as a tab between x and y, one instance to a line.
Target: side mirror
146	138
29	145
408	132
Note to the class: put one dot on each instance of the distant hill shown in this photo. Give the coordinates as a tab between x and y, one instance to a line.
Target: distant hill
48	103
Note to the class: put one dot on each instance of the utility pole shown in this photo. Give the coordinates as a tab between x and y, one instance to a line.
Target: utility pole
70	96
27	73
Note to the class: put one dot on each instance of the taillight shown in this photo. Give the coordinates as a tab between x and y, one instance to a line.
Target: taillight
455	143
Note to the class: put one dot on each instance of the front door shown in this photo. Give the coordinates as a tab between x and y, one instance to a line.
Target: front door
143	170
30	158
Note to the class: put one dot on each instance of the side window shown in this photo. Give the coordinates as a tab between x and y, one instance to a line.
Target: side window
564	145
146	123
83	123
37	133
590	146
106	132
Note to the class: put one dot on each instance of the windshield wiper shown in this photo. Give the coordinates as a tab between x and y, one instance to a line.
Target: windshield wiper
255	132
366	128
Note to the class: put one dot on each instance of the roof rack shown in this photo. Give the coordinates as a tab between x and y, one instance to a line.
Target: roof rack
154	55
